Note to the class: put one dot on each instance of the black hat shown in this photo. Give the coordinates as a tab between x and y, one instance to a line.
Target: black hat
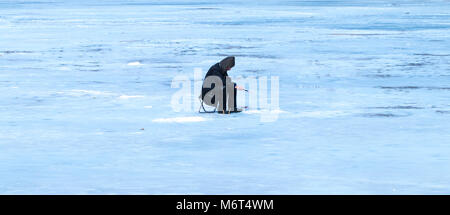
227	63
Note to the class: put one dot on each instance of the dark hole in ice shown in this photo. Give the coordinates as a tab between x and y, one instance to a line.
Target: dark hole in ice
413	88
98	50
25	60
381	76
87	66
89	70
401	88
398	107
15	52
259	56
356	34
417	64
220	47
382	115
207	8
433	55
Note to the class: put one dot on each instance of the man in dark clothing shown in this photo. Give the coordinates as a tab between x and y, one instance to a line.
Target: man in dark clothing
218	88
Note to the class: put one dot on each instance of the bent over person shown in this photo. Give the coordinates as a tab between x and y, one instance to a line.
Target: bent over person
218	90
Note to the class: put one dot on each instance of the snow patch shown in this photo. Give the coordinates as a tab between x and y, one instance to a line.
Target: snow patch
277	111
137	63
129	97
95	93
180	119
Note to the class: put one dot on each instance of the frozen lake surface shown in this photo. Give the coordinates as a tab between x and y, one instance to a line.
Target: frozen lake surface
86	87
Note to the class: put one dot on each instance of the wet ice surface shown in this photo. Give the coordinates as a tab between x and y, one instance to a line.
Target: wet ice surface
85	103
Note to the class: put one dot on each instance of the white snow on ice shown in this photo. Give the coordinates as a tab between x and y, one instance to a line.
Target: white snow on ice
135	64
130	97
181	119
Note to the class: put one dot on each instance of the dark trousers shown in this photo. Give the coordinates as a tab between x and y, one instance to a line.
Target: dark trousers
228	99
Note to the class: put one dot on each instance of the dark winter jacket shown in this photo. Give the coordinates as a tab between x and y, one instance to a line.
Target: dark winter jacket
216	70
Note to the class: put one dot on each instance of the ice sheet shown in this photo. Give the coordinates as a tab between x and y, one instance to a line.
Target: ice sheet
85	102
